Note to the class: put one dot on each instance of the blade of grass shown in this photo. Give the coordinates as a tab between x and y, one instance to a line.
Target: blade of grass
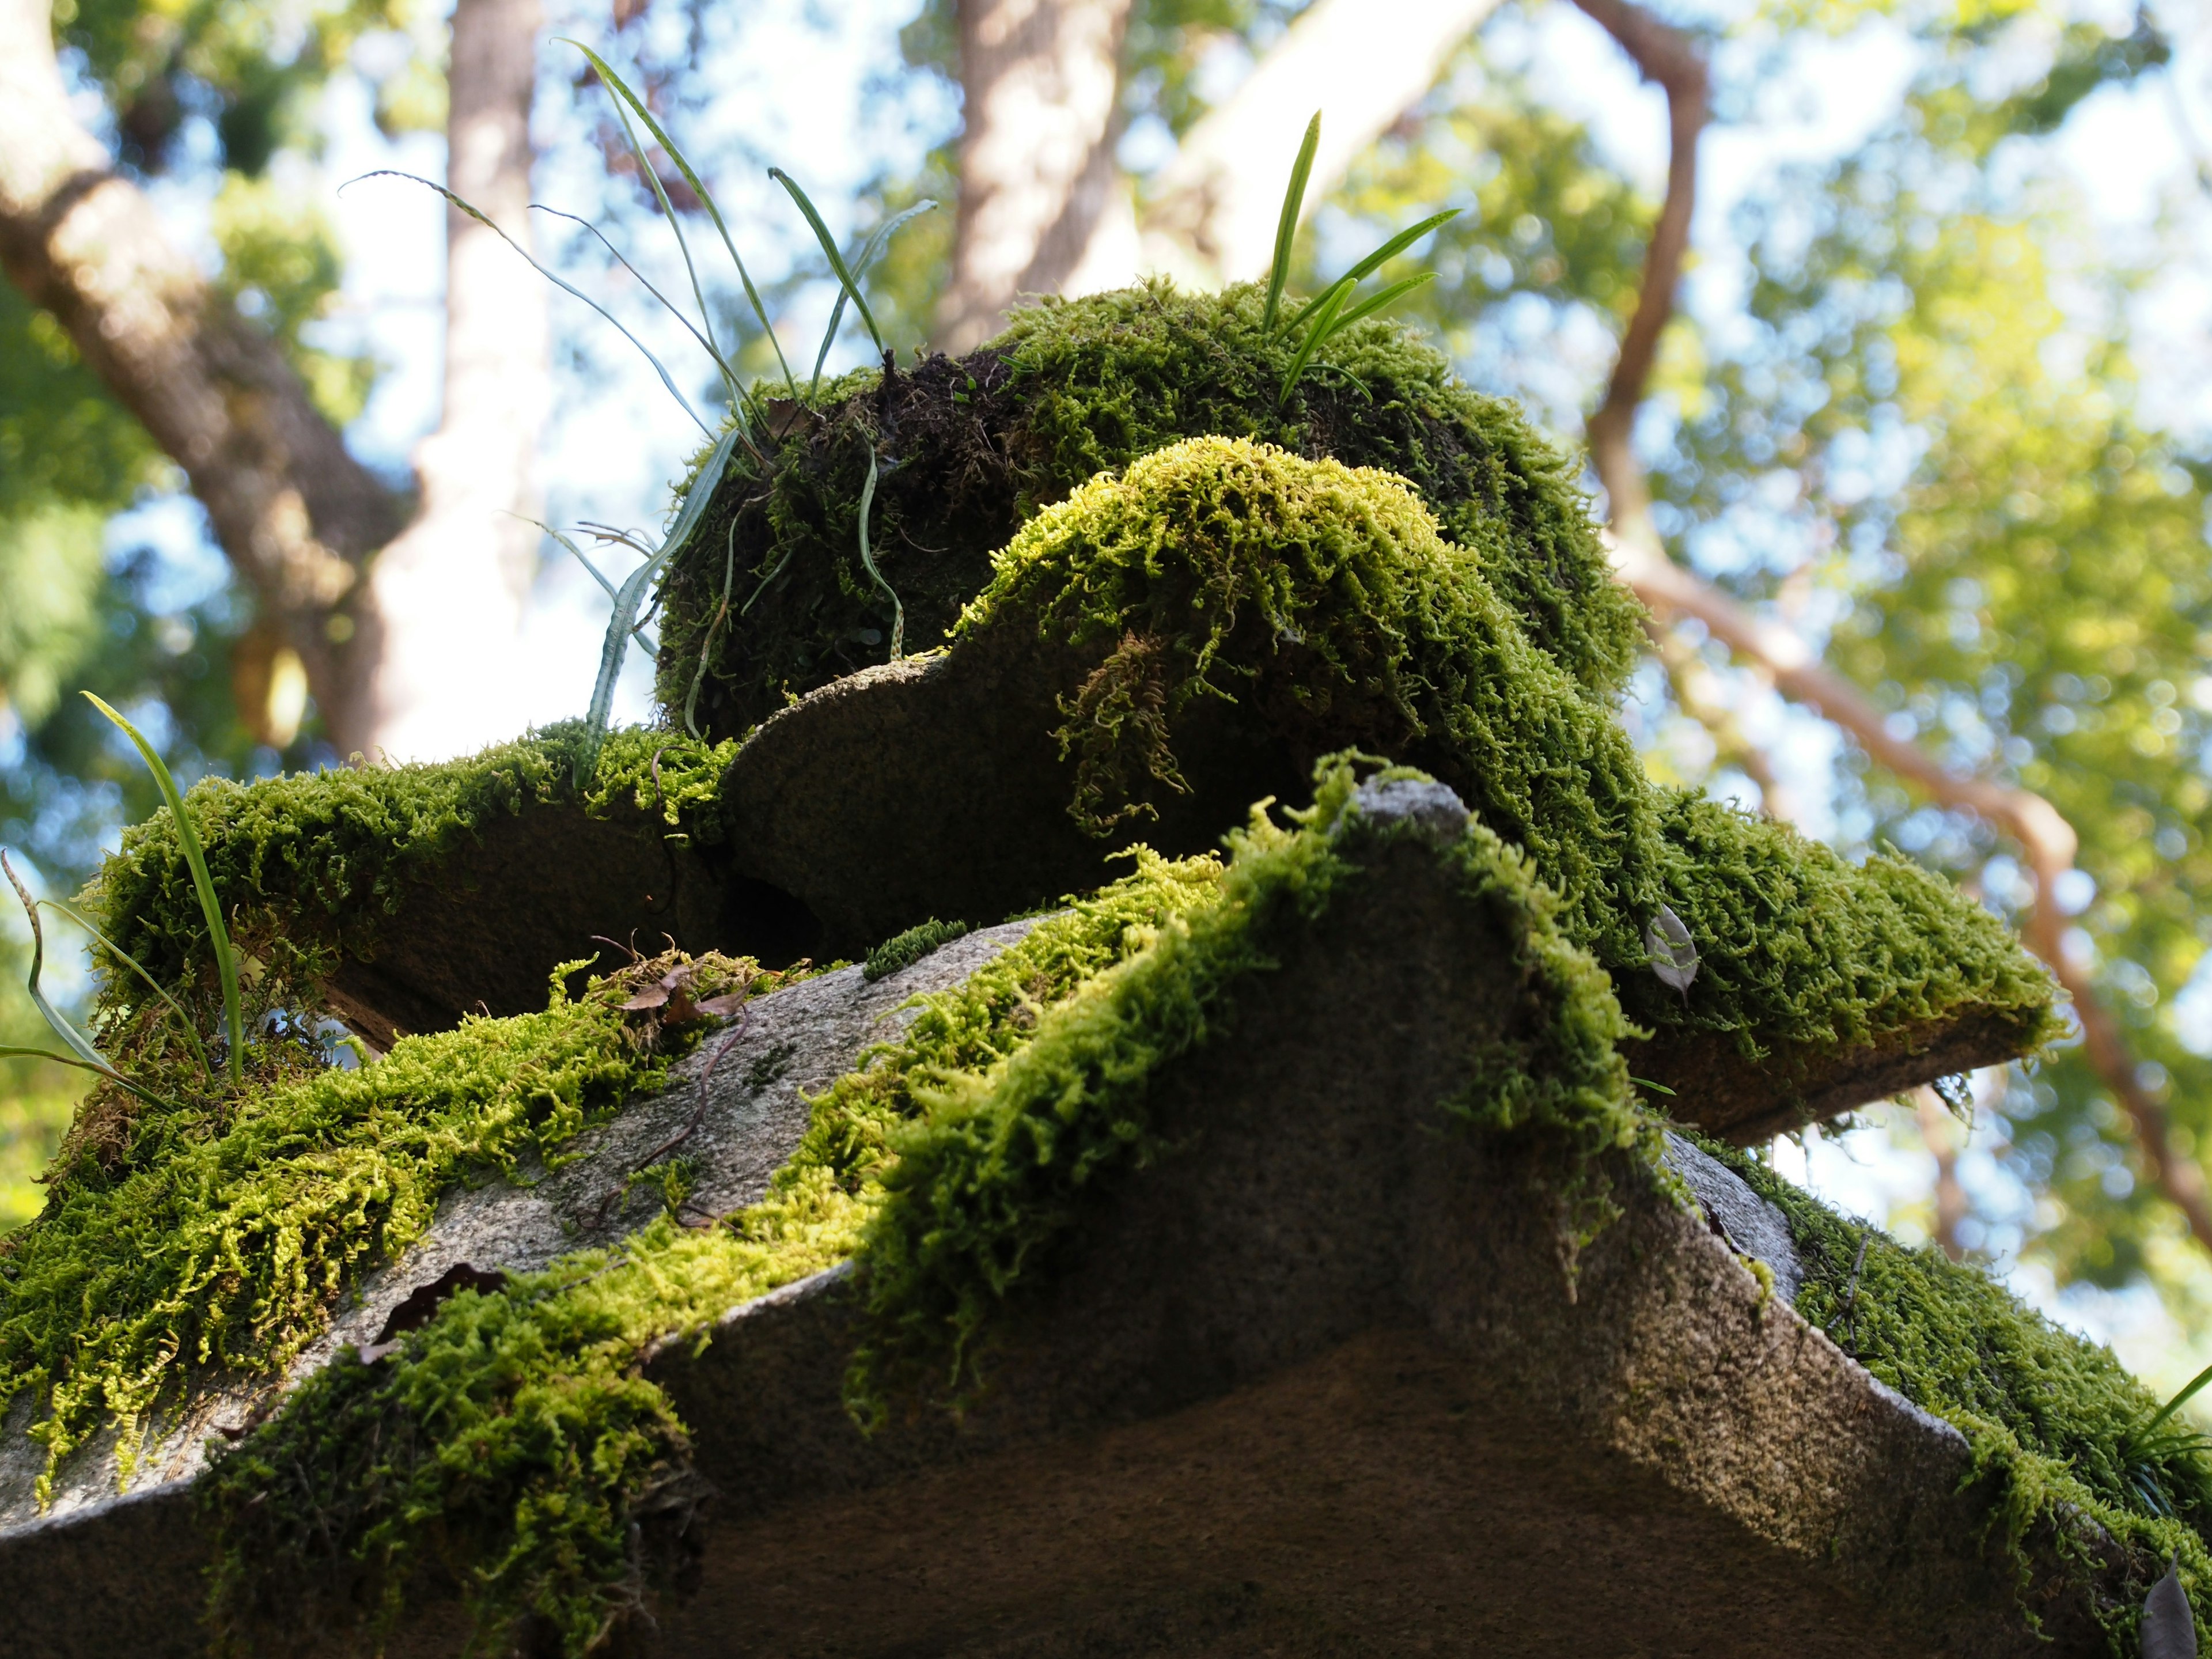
226	959
1286	228
1373	262
652	176
87	1057
837	265
898	610
1374	302
184	1021
706	344
631	595
698	189
714	629
459	205
875	245
1314	335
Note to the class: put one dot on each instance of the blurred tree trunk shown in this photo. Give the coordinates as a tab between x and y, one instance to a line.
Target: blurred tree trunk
450	590
296	514
411	651
1043	206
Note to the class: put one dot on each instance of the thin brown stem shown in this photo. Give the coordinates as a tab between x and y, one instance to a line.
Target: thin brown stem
1669	58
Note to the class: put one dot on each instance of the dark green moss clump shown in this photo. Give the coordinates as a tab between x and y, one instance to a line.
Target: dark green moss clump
2048	1412
309	865
771	594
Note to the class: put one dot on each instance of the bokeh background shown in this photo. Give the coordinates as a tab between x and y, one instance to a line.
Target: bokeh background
1932	407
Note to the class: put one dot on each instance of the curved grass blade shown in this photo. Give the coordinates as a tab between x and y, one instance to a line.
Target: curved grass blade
706	344
1374	302
85	1053
713	628
1319	332
837	265
631	594
184	1021
698	188
1373	262
226	958
459	205
683	245
898	610
1287	230
875	245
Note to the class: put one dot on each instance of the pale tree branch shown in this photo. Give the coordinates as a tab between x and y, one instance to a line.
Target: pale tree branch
1667	55
1361	63
297	516
1043	206
450	590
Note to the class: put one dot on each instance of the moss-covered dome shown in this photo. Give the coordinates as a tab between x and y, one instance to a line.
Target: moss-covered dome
774	596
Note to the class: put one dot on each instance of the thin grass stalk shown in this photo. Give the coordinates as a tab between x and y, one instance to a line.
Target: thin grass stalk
898	610
837	265
1286	227
1314	335
226	957
699	189
1367	267
713	628
84	1054
566	287
875	245
1374	302
184	1021
631	595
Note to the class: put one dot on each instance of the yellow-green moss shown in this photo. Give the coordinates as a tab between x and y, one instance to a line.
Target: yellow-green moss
1325	598
2047	1412
312	863
220	1234
772	592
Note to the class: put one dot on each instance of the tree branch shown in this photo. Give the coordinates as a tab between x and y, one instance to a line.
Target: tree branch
296	513
1667	55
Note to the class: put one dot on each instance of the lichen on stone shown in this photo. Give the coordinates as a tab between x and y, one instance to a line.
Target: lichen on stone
772	594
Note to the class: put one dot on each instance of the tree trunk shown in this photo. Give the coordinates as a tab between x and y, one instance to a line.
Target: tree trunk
450	590
296	514
1043	207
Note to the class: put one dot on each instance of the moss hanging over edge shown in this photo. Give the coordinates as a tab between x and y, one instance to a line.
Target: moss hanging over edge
219	1235
1324	600
509	1442
2046	1412
772	595
309	865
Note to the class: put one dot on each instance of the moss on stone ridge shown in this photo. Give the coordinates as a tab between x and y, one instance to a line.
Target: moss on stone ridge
218	1234
772	594
1324	600
2047	1412
310	864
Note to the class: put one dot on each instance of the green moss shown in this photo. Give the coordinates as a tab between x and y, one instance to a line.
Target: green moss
220	1235
904	950
310	863
1325	599
2047	1412
511	1442
771	591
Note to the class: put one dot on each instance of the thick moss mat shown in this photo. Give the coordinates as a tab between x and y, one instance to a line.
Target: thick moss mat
402	898
773	596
